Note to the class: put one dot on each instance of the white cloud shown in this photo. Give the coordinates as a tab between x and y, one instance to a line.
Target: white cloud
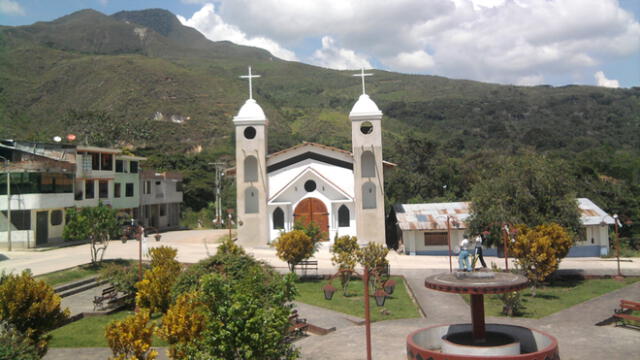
193	1
506	41
530	80
11	7
603	81
104	2
416	61
215	28
333	57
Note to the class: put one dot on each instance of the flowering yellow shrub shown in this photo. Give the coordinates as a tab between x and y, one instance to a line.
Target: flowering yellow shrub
31	306
130	339
183	322
154	291
538	250
293	247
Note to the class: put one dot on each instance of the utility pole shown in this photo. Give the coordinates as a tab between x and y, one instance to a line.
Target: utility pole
6	169
218	167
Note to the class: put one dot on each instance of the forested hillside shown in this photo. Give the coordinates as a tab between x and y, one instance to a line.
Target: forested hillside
142	80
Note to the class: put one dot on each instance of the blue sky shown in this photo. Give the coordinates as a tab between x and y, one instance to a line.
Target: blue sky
523	42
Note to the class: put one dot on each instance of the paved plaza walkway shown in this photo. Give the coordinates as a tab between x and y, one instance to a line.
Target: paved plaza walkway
575	328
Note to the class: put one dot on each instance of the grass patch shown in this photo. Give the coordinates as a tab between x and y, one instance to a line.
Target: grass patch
76	273
557	295
89	332
397	306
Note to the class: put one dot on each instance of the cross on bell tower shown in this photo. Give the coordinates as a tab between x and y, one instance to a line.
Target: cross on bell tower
362	75
250	82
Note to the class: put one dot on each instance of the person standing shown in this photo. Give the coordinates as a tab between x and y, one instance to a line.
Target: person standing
479	250
463	258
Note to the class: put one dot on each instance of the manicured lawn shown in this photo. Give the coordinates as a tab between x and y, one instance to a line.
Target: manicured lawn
79	272
89	332
557	296
397	306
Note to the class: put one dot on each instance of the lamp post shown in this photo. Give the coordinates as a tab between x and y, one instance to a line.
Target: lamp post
449	240
505	227
6	169
328	290
615	226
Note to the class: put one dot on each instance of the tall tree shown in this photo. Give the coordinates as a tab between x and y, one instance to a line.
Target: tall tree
530	190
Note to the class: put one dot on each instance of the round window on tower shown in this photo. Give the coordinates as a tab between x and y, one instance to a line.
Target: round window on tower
250	132
366	128
310	185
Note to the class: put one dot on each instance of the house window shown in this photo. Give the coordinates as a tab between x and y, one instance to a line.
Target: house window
117	190
435	238
56	217
163	209
119	166
106	162
250	169
89	189
95	161
21	219
368	164
103	189
179	186
343	216
133	165
368	195
129	190
147	187
278	219
79	193
251	200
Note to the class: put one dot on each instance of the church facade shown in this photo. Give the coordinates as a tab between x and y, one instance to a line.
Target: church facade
340	191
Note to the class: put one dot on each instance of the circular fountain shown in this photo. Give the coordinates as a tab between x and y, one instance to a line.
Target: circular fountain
479	340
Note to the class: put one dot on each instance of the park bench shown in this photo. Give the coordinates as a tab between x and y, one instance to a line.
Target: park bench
623	314
297	325
109	293
306	265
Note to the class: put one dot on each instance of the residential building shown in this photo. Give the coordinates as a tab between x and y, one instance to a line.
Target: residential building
422	229
160	199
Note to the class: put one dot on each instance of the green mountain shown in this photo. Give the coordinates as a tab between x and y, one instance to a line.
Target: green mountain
141	79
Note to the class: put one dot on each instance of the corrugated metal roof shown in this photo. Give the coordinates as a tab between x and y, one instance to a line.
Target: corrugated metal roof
433	216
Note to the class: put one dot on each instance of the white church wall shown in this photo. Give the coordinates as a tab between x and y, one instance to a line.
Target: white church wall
288	220
334	224
339	177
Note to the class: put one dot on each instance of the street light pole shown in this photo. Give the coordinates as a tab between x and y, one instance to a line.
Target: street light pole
449	243
6	169
367	315
505	248
218	200
615	226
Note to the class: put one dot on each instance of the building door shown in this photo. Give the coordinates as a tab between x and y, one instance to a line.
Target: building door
42	227
312	209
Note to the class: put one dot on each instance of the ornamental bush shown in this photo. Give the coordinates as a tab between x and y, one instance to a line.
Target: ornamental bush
31	307
122	277
154	291
293	247
130	338
183	323
345	254
538	250
374	257
14	345
165	256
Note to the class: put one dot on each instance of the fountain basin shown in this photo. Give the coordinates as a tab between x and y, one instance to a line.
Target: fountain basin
436	343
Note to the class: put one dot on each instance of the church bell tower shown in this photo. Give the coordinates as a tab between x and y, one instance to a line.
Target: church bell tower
366	139
251	172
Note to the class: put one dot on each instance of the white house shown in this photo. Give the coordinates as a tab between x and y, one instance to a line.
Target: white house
41	188
422	229
160	199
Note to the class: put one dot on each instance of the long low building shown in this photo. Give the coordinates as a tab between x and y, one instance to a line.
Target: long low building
421	229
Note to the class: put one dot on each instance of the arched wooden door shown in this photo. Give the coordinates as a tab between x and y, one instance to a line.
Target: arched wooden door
312	209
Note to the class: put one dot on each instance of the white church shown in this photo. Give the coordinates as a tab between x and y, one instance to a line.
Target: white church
340	191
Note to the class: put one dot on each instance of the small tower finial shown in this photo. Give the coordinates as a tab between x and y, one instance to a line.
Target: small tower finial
250	85
362	75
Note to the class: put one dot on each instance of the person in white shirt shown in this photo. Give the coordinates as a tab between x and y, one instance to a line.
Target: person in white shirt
478	252
463	258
